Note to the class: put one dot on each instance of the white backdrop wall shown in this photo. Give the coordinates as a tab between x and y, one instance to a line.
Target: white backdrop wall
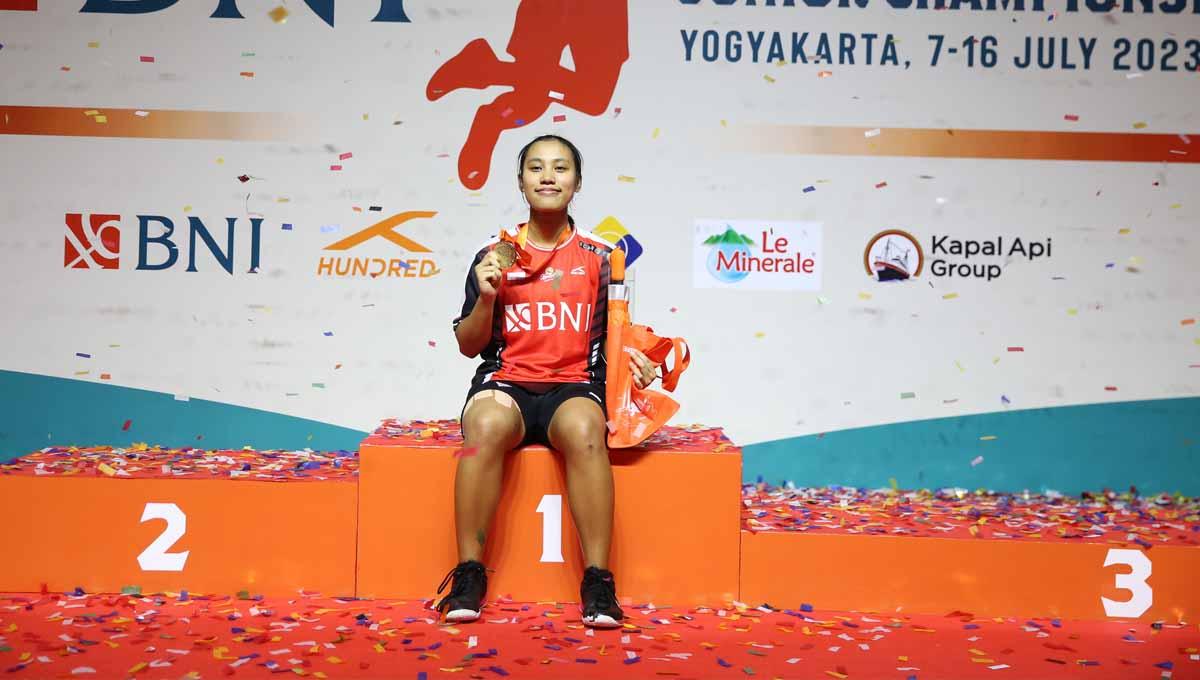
683	147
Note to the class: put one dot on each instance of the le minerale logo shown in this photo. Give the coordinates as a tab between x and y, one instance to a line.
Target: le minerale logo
960	259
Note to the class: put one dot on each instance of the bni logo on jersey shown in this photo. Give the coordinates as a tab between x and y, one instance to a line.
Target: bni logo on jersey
547	316
757	255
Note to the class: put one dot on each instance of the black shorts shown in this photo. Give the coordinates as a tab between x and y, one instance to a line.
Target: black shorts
537	408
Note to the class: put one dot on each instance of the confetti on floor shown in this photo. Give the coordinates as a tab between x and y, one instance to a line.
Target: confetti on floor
143	461
676	438
1106	516
193	635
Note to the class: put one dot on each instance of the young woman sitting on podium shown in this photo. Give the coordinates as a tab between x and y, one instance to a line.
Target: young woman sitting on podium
536	313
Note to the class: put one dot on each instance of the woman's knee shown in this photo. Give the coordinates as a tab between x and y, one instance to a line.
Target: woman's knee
582	435
490	423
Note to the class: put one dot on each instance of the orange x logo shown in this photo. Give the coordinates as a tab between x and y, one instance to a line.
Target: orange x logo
384	228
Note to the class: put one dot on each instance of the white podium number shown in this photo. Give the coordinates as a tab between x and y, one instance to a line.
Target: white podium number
155	557
1134	582
551	509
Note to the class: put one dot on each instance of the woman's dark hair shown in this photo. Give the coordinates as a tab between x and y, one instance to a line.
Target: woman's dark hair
552	138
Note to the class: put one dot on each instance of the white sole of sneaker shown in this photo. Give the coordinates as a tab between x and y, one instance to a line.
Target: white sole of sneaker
461	615
601	621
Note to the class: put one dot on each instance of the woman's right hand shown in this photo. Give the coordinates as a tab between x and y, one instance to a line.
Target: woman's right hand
488	274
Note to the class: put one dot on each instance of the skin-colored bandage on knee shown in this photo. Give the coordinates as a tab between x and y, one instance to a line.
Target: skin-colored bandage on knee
501	398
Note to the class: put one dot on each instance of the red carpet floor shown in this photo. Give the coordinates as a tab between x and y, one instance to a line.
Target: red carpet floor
189	636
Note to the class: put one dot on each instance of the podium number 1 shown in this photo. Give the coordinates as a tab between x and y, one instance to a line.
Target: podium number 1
155	557
550	508
1135	582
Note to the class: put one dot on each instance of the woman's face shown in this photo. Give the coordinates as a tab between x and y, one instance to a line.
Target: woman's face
549	178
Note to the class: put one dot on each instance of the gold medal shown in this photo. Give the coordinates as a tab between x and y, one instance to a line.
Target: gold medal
506	254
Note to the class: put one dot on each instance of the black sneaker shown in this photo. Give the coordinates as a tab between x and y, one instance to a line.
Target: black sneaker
598	599
465	600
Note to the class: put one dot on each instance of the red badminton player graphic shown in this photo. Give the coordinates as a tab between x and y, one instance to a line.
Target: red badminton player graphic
597	33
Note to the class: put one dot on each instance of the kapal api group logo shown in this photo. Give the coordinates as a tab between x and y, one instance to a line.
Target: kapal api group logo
893	255
897	255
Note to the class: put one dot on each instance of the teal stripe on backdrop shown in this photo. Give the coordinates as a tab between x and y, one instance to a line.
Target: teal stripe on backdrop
1153	445
37	411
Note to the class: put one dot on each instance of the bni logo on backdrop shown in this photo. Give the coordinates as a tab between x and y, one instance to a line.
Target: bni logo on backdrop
93	241
756	255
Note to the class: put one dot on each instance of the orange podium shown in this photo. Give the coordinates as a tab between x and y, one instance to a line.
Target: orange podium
675	533
988	577
105	519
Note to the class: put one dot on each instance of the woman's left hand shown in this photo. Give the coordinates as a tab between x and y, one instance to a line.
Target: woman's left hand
644	370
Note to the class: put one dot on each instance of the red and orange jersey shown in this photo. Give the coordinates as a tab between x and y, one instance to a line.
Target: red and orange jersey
548	327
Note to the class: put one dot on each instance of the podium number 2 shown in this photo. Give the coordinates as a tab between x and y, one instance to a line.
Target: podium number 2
155	557
550	508
1134	582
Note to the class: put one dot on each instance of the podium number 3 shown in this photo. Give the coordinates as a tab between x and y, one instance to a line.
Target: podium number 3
155	557
550	508
1134	582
